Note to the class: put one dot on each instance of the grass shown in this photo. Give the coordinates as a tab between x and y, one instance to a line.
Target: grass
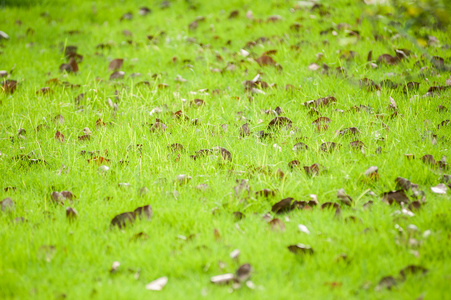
49	257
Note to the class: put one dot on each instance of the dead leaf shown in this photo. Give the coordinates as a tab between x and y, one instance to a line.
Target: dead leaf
274	18
144	211
59	137
115	64
243	273
343	197
58	198
386	282
223	279
242	186
314	67
404	184
440	189
321	102
372	173
265	193
294	164
313	169
9	86
300	147
226	155
123	219
71	214
278	122
428	159
238	215
183	179
349	131
244	130
158	127
392	104
388	59
301	249
7	205
234	14
283	206
329	146
412	269
265	60
277	224
117	75
157	284
176	147
357	145
280	174
44	91
321	120
303	229
398	196
143	11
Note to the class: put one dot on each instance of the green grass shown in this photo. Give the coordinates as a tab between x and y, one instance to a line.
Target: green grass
78	264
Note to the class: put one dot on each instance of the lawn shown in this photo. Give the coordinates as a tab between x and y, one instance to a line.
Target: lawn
299	148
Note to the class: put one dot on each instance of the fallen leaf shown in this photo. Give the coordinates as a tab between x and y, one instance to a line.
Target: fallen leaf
243	273
144	211
144	11
238	215
265	60
157	284
357	145
386	282
321	120
398	196
300	147
372	173
303	229
223	279
117	75
9	86
313	169
314	67
349	131
98	160
329	146
300	249
265	193
176	147
294	164
278	122
388	59
244	130
277	224
44	91
158	127
123	219
321	102
282	206
183	179
7	205
71	214
226	155
115	65
412	269
439	189
242	186
428	159
234	14
343	197
404	184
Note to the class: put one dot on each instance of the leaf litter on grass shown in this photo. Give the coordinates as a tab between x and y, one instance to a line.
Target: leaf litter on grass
376	95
